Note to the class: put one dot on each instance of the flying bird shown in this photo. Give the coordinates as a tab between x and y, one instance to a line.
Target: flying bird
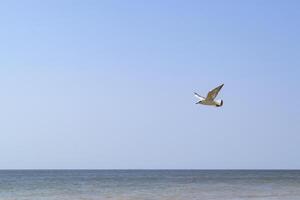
210	98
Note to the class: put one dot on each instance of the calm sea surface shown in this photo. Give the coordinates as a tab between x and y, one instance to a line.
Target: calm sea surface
149	184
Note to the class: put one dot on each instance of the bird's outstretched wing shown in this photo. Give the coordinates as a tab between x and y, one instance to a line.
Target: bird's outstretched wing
213	93
199	97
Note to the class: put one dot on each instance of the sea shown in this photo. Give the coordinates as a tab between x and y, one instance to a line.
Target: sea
149	184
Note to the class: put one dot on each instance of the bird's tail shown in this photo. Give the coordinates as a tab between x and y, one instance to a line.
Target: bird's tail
221	104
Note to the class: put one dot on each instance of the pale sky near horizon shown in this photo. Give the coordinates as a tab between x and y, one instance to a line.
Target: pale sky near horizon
109	84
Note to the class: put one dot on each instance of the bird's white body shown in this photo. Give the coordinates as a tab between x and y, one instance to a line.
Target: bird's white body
217	103
210	98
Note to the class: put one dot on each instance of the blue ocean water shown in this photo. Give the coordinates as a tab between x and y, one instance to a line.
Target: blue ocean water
149	184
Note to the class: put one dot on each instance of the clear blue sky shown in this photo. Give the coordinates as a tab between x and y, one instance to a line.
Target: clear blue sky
109	84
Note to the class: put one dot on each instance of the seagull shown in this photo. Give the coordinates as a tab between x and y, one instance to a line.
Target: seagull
210	98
